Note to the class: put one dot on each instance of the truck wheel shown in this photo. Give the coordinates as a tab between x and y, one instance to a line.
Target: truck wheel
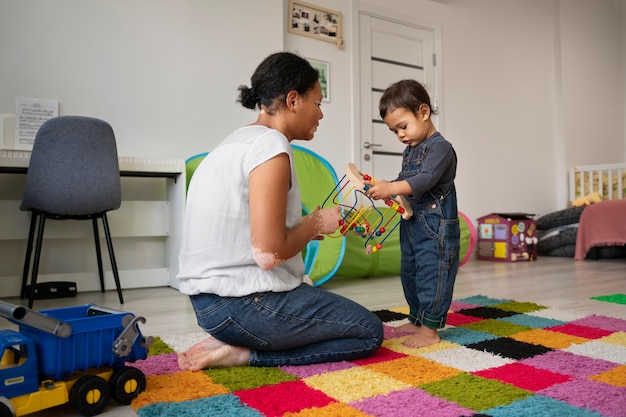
90	395
5	411
126	384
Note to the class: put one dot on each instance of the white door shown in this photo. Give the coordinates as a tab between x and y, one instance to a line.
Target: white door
389	51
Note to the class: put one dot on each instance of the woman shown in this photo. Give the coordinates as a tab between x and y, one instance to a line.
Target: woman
240	260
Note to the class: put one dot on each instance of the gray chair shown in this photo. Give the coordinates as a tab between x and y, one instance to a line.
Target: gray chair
73	174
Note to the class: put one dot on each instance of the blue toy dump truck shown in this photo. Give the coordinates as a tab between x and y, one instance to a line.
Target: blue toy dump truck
77	355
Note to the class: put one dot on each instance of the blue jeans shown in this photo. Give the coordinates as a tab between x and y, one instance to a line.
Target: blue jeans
303	326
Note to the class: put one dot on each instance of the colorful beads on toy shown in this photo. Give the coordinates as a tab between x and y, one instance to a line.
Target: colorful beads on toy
360	212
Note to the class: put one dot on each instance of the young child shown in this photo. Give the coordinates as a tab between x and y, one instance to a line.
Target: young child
429	240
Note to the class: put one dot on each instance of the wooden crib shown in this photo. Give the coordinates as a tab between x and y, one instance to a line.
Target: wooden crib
602	224
608	180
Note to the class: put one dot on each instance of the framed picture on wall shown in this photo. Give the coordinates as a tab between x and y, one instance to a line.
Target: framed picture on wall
315	22
323	67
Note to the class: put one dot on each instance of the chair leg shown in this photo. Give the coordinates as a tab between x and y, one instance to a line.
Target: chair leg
29	251
116	275
96	236
33	280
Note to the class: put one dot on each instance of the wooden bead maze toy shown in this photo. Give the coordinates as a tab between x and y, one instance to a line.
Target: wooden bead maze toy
360	215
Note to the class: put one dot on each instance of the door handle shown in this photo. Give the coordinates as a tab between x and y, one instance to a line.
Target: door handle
368	145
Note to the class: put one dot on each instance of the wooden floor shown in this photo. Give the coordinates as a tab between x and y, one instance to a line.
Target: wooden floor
556	282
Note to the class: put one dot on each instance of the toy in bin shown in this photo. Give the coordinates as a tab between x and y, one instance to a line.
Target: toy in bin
360	215
77	354
507	237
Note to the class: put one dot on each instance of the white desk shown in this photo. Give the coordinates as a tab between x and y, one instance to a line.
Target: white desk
143	231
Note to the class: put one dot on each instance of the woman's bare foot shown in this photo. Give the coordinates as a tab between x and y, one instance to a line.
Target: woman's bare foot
423	337
407	328
211	353
210	343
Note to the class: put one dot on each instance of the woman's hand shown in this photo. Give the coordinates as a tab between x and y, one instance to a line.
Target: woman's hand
327	219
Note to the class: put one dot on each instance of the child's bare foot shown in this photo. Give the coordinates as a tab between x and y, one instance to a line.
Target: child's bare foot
407	328
423	337
211	353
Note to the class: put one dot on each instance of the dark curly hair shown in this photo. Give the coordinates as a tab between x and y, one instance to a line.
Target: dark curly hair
278	74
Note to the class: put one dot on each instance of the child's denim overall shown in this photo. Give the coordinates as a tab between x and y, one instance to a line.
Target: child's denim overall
430	242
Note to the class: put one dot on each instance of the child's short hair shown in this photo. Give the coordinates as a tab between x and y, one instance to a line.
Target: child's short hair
408	94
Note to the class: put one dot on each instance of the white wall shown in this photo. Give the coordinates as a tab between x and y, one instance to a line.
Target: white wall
163	73
517	77
530	87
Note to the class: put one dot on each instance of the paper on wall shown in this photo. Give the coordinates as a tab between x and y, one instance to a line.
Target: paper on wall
30	114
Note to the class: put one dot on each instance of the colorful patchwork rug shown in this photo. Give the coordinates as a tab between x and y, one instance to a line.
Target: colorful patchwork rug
499	358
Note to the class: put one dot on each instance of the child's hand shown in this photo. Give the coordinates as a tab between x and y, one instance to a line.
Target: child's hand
378	190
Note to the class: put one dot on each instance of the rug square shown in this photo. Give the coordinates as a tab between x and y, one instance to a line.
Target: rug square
615	376
382	354
276	400
179	386
533	321
182	342
330	410
354	384
414	370
217	405
602	322
246	377
482	300
158	347
458	305
305	371
549	339
388	315
617	338
539	406
402	309
464	336
567	363
510	348
487	312
402	404
580	331
612	298
165	363
474	392
598	349
519	307
524	376
556	314
497	327
605	399
457	319
390	325
466	359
